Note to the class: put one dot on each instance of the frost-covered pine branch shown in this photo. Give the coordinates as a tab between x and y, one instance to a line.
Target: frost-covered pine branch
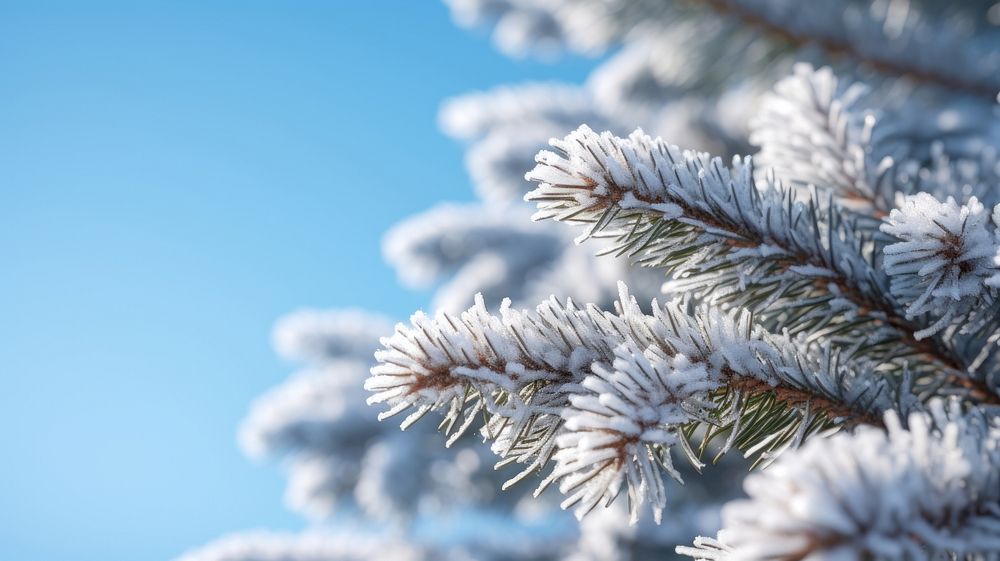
730	239
944	262
608	395
814	131
344	465
926	490
337	455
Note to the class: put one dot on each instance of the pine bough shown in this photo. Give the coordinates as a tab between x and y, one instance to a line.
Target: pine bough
827	308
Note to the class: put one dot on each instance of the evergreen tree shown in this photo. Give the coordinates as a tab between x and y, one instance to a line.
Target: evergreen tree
823	312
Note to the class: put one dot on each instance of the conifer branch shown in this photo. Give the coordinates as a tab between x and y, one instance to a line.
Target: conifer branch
943	261
730	240
608	395
814	132
929	490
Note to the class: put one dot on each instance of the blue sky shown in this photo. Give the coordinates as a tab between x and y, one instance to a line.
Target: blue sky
174	175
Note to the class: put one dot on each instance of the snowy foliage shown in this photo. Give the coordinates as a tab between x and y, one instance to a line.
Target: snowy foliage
314	419
317	336
813	132
610	429
820	291
944	258
337	454
727	238
714	228
930	490
340	460
607	395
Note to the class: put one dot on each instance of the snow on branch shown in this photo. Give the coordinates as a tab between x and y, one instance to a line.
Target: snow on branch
813	131
315	336
727	239
312	420
315	421
627	411
337	455
944	259
930	490
608	395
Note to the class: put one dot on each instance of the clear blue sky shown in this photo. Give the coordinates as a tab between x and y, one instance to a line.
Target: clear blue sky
174	175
